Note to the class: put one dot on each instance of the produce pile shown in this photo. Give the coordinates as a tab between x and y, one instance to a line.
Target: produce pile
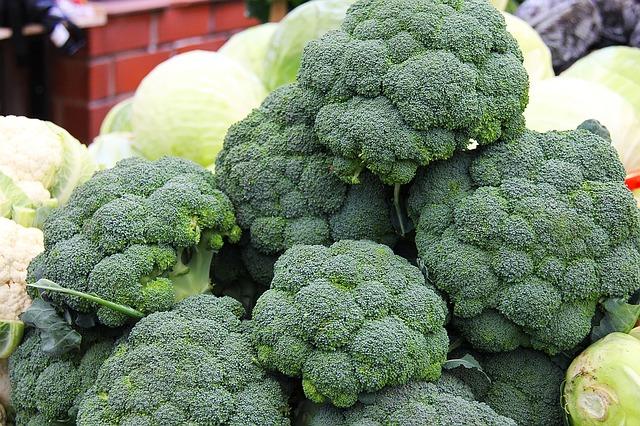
382	241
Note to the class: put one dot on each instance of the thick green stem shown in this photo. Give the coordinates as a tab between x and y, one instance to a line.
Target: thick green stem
48	285
398	207
193	277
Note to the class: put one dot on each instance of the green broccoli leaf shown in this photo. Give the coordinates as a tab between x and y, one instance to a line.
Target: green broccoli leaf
56	335
619	316
10	336
467	361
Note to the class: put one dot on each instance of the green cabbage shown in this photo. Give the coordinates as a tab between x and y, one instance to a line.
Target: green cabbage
110	148
500	4
118	118
306	22
186	104
249	47
617	67
537	56
562	103
603	383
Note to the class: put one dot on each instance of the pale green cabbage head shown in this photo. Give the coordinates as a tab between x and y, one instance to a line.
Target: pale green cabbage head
562	103
249	47
537	56
603	383
305	23
184	106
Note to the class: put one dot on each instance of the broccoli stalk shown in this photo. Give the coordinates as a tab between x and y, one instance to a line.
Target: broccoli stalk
192	277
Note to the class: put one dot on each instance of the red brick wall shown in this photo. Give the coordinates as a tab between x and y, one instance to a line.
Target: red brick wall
119	54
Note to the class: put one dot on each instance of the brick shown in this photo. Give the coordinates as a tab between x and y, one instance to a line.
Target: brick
99	80
120	33
211	43
96	115
70	78
231	15
183	22
74	119
130	70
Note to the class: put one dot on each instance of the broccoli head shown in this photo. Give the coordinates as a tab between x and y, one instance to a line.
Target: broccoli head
527	239
142	234
191	365
349	318
523	385
407	82
47	389
280	180
443	403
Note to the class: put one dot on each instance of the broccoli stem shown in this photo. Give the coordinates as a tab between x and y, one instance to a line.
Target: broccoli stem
48	285
193	277
398	207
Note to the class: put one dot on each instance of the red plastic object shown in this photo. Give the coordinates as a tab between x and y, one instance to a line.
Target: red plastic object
633	180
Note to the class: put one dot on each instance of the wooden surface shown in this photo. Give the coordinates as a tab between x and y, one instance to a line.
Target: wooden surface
99	18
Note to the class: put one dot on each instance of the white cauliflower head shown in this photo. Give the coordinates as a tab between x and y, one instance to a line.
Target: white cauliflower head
40	165
18	245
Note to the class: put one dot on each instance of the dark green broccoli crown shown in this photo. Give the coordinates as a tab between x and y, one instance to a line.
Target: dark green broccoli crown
407	82
192	365
524	385
443	403
125	234
546	229
45	389
349	318
283	187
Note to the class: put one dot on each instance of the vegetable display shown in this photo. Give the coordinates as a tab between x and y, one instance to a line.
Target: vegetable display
602	382
381	242
192	365
188	117
350	318
40	165
536	232
142	234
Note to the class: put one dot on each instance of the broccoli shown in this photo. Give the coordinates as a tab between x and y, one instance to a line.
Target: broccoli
349	318
407	82
141	234
443	403
47	389
523	385
280	181
191	365
529	238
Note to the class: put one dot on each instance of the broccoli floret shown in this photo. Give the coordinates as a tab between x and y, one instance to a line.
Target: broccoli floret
191	365
528	239
282	185
46	389
349	318
523	385
142	234
443	403
407	82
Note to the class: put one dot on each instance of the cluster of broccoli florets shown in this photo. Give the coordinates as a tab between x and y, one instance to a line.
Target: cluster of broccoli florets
403	132
526	237
350	318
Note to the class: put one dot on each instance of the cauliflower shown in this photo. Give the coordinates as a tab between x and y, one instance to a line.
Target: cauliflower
40	165
18	246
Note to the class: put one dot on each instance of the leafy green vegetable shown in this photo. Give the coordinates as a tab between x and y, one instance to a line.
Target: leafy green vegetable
118	118
619	316
561	103
184	106
56	334
10	336
249	47
537	56
602	385
305	23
